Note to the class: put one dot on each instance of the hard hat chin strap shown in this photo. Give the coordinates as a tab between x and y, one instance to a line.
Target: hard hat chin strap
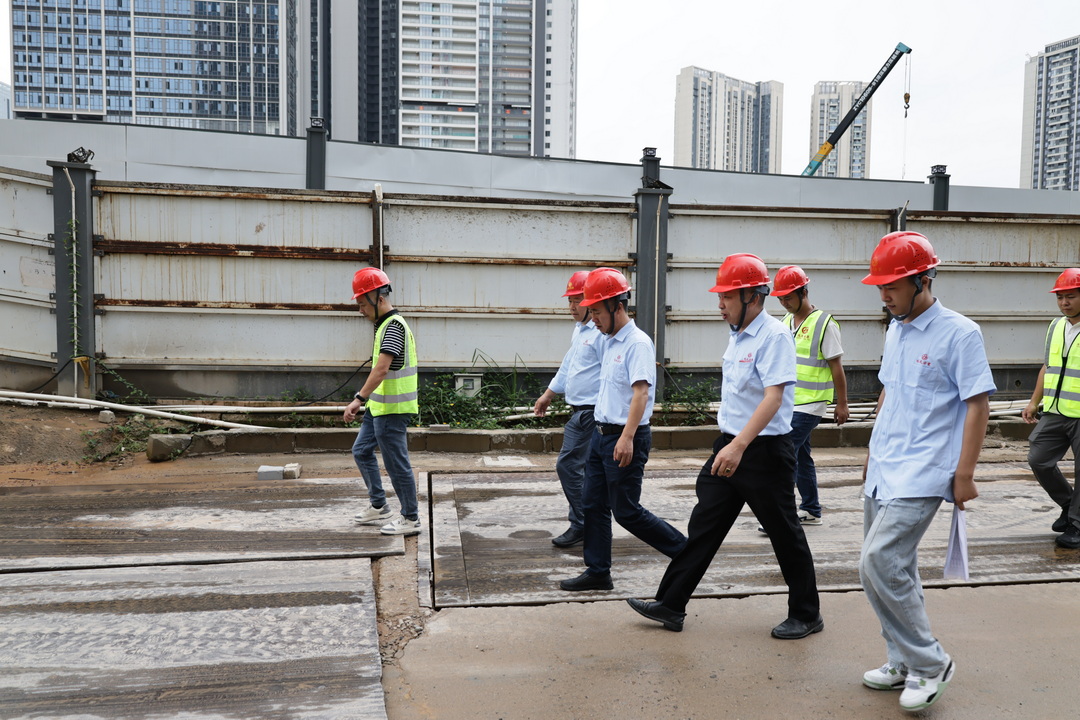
747	301
918	280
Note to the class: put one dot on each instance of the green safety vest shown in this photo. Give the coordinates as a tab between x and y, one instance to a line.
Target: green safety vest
1061	381
397	393
813	377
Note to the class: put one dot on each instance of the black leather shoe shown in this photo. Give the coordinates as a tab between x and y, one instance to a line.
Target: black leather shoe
1062	523
655	611
792	629
571	537
587	581
1070	538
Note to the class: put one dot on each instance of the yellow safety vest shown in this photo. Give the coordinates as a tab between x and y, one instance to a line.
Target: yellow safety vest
397	393
1061	381
813	377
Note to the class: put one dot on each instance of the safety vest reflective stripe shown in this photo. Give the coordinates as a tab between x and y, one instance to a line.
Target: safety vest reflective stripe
1061	381
398	393
814	381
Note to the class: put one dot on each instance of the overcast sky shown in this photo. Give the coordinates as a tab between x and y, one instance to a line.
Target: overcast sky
967	73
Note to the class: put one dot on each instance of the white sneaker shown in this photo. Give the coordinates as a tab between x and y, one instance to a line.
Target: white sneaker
806	518
886	677
401	525
372	515
922	692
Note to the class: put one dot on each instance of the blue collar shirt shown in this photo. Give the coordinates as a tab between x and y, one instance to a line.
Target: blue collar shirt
929	368
760	356
578	379
627	357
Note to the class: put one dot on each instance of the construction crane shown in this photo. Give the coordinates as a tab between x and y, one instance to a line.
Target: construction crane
828	145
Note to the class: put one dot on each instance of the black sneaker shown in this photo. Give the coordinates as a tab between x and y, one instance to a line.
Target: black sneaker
1070	538
1062	523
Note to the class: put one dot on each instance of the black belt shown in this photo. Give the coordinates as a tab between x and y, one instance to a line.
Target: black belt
609	429
577	408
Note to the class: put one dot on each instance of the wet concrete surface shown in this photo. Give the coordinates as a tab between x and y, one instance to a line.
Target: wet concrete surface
254	640
144	642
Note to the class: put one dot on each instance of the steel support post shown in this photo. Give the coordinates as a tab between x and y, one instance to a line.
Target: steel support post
650	293
73	237
316	155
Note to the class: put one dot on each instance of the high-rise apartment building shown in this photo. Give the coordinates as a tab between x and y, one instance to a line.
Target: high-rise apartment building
1050	147
482	75
493	76
828	106
181	63
5	101
726	124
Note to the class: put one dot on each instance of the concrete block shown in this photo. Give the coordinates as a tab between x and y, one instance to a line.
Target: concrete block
467	441
826	435
166	447
211	442
855	434
1011	429
531	441
324	439
417	439
292	471
554	440
106	416
271	472
259	442
694	438
661	438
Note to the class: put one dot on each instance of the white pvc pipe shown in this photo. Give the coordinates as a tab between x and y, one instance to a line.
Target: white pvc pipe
15	395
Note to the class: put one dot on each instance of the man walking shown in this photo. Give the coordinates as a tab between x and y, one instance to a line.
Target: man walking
820	379
577	380
931	421
390	397
620	446
1058	388
753	461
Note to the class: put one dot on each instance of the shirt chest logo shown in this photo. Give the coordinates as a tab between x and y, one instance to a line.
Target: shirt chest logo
748	358
924	360
618	359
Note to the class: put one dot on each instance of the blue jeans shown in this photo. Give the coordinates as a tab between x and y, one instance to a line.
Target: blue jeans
889	570
805	472
613	490
577	436
389	432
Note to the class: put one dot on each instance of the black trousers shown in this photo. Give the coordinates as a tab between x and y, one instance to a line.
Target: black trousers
764	480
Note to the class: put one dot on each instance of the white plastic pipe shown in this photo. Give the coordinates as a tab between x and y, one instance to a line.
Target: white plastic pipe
15	395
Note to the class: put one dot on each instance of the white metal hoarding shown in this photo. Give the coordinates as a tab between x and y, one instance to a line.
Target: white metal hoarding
27	270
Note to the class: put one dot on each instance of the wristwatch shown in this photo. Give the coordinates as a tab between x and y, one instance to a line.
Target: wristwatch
360	397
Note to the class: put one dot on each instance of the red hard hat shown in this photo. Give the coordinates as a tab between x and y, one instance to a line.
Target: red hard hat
576	284
789	279
741	270
603	283
368	279
899	255
1068	280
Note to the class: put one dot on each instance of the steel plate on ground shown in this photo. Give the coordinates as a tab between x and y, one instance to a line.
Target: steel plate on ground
263	640
492	539
57	527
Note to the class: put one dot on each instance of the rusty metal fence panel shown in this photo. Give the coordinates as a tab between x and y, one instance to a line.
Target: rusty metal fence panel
27	271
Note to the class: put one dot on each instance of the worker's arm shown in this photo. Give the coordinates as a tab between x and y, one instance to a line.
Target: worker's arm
839	379
1029	412
374	379
624	447
731	454
978	414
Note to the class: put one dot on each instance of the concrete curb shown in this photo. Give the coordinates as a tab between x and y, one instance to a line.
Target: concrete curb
307	440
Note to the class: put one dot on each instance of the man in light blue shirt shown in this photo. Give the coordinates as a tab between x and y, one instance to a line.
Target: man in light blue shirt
931	421
753	460
620	446
578	380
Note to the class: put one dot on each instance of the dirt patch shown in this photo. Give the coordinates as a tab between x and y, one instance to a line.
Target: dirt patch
31	435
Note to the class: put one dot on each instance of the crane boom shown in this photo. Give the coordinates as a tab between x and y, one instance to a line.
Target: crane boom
828	145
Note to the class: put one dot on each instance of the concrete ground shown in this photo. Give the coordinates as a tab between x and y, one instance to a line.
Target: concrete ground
1014	643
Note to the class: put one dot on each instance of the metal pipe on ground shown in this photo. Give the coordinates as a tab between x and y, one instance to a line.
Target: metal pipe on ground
15	395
